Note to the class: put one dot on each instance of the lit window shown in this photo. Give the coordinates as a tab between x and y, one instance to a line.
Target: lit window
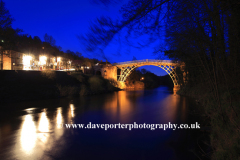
26	62
42	60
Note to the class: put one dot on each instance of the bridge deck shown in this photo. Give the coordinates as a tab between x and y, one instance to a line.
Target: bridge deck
145	61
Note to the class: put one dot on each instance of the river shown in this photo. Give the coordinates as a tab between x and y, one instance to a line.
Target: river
40	132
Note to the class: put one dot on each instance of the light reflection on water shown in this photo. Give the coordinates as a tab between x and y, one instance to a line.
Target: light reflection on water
43	128
71	113
119	107
170	104
43	125
59	117
58	131
72	109
41	132
38	135
28	134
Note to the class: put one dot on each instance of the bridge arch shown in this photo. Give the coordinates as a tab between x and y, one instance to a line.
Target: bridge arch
170	70
167	65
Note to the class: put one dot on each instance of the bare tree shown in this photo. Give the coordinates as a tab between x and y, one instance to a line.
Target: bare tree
5	17
49	39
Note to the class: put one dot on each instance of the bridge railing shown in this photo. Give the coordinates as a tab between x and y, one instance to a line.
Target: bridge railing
146	60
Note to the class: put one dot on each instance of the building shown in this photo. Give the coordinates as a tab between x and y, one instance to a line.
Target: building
101	68
12	60
78	65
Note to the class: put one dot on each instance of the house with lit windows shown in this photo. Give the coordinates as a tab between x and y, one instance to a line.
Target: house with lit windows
12	60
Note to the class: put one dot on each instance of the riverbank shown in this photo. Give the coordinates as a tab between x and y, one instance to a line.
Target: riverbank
17	86
222	118
203	147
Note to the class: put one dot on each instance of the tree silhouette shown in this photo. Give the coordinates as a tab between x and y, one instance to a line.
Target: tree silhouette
49	39
5	17
7	34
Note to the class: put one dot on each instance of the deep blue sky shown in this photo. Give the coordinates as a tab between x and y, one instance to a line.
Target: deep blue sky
65	19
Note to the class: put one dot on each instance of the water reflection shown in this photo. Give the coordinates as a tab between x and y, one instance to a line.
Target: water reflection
183	111
43	123
119	107
28	134
43	128
41	131
72	108
59	117
170	105
58	132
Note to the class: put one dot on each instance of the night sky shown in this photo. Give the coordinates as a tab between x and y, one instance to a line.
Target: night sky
66	19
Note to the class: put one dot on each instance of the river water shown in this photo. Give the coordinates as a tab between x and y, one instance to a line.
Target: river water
37	132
